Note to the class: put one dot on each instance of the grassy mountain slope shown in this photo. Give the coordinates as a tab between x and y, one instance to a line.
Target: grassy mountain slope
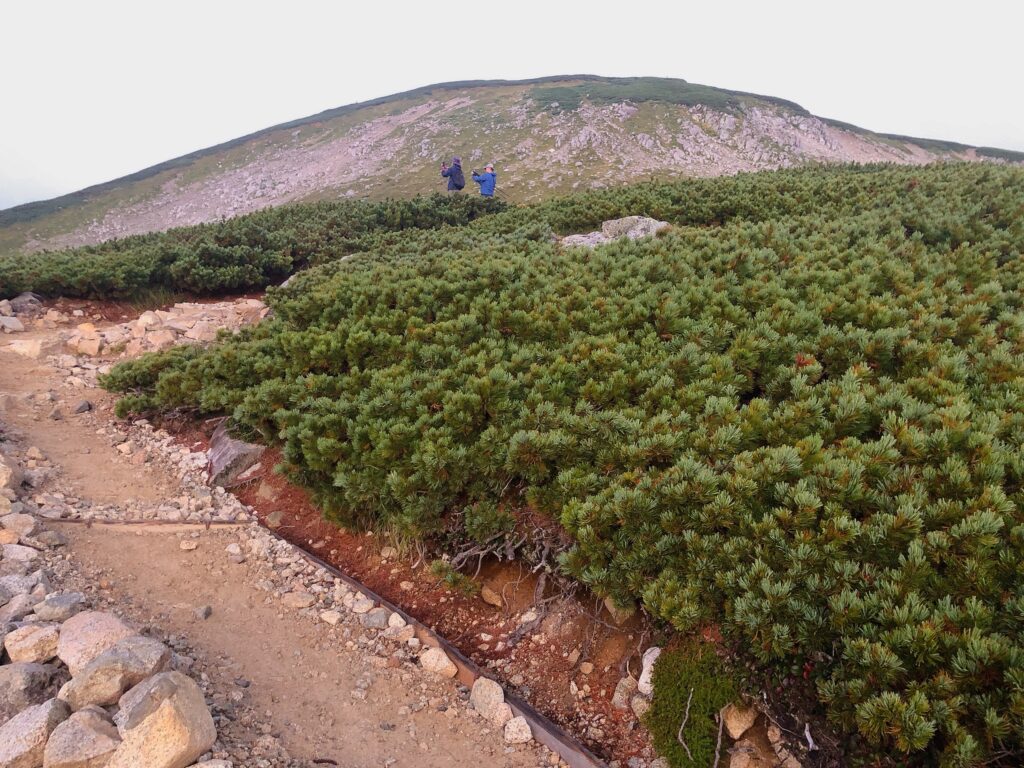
547	136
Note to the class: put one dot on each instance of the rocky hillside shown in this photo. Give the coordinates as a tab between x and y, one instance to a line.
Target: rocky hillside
545	136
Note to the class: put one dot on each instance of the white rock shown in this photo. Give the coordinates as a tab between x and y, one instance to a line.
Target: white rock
23	737
633	227
362	604
436	661
164	723
30	348
86	635
298	600
396	620
517	731
330	617
488	698
34	643
645	685
87	739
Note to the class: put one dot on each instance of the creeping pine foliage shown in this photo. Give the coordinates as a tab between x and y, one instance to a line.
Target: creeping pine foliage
240	254
796	415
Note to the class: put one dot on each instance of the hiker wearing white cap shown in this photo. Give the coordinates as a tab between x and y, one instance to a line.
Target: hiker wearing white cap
487	180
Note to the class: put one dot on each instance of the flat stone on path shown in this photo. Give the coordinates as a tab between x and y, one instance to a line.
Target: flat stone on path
298	600
376	619
330	617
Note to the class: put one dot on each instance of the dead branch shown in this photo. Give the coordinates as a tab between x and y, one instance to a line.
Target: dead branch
682	726
718	747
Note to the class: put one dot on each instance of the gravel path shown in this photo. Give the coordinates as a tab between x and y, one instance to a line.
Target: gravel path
294	668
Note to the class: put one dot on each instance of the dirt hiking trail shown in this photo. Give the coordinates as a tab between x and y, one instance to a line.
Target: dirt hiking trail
325	693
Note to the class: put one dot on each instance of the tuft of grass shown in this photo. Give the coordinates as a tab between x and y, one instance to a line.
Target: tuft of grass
453	578
691	666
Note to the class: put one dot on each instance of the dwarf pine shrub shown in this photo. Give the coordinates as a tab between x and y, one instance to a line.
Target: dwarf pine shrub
796	416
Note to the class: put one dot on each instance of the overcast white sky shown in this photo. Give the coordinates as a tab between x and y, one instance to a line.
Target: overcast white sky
94	89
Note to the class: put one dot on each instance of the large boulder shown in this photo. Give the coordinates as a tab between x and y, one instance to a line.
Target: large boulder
585	240
24	685
86	635
105	678
87	739
633	227
60	606
27	303
23	737
164	723
32	643
230	457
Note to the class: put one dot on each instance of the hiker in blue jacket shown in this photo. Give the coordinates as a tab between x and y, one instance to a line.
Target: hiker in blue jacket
453	172
487	180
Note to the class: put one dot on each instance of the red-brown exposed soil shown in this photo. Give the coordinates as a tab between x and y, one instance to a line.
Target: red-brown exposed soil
541	666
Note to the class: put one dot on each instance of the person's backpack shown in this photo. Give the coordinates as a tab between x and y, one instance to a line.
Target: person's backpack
458	179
